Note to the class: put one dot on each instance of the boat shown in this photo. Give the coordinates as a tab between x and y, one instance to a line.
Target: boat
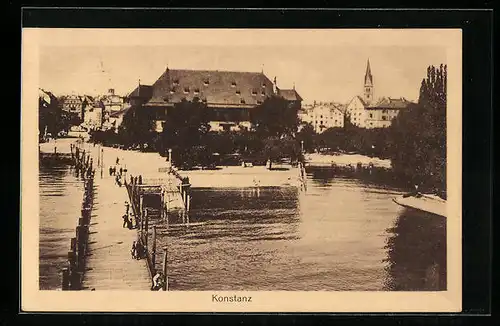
423	202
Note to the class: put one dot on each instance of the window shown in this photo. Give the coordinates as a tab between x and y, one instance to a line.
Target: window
186	90
233	84
242	101
384	117
206	82
259	102
371	123
321	122
176	81
263	92
197	91
238	92
263	85
321	117
371	115
254	92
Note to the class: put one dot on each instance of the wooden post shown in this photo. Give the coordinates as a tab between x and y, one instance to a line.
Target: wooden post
141	208
188	202
162	205
165	257
72	261
73	244
102	160
65	279
153	251
168	206
147	227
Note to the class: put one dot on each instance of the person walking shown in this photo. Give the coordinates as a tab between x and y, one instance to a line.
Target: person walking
158	281
127	207
125	220
133	251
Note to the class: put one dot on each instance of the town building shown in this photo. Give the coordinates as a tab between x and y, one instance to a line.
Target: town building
381	114
366	112
76	104
323	116
112	102
93	117
72	104
229	95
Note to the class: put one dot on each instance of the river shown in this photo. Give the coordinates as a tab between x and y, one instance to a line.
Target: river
61	194
342	234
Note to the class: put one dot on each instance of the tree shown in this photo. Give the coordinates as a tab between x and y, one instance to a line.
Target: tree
136	129
419	134
306	135
275	117
186	127
49	114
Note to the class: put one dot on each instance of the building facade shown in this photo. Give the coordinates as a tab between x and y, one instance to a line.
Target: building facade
112	102
381	114
72	104
93	117
230	96
323	116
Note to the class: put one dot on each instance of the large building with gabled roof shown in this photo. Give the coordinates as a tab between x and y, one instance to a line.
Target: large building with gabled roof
229	94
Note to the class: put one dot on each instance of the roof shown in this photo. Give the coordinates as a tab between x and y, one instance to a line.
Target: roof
289	94
390	103
360	99
239	89
144	91
119	113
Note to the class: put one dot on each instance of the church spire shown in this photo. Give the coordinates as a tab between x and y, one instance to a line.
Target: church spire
368	74
368	87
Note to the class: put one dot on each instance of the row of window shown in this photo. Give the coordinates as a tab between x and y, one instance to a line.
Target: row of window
197	91
206	82
321	122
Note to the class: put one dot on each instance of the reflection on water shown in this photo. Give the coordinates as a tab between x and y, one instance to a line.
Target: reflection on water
60	202
343	234
417	252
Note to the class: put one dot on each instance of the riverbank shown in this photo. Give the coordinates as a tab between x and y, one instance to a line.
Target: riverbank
316	159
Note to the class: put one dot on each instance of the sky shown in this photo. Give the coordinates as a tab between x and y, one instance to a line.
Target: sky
321	67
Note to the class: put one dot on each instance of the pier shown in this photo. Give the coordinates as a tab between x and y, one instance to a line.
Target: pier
109	262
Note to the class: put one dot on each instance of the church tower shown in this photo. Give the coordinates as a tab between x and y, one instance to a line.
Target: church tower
368	88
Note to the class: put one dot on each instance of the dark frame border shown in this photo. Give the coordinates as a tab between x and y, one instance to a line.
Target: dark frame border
477	112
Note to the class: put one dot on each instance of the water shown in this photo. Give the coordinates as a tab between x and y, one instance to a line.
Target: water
60	203
343	234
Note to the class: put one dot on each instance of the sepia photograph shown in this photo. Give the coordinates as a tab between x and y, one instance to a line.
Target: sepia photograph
235	163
